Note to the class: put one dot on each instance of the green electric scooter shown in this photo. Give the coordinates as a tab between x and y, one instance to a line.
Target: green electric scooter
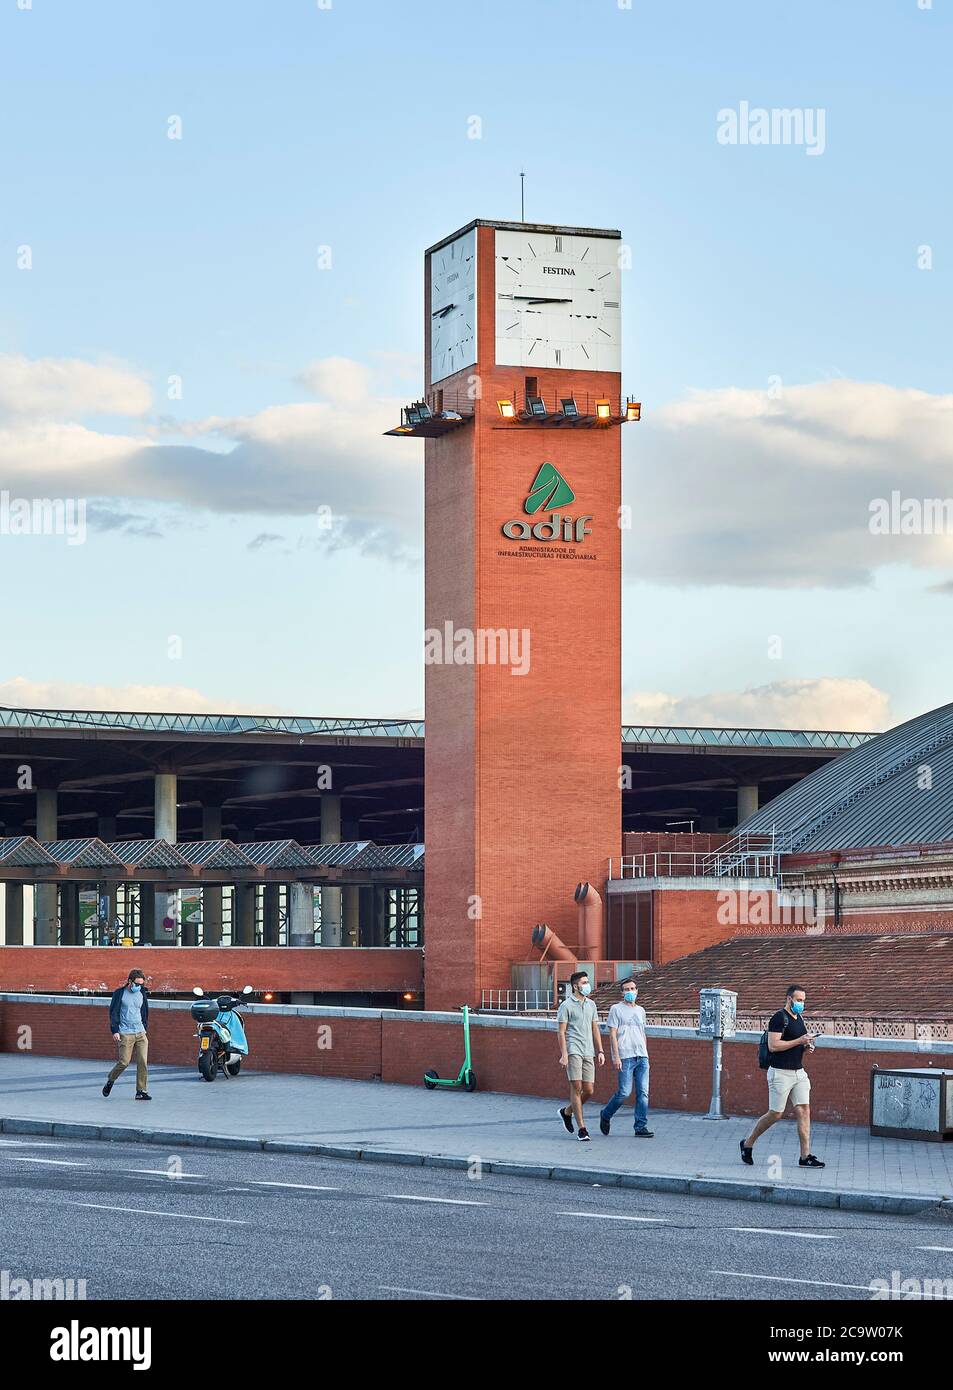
465	1079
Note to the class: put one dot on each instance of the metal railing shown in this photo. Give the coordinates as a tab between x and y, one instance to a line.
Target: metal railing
729	861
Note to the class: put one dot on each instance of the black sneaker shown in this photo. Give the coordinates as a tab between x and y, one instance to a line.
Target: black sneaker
644	1133
143	1095
810	1162
603	1123
107	1088
566	1117
583	1135
746	1154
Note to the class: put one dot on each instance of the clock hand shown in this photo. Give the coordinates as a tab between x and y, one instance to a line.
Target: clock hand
439	313
536	299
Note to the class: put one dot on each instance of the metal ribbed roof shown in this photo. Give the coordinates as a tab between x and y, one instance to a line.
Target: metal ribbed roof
22	851
896	789
214	854
149	854
277	854
82	853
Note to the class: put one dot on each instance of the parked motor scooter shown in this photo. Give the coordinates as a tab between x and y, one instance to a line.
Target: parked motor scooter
221	1033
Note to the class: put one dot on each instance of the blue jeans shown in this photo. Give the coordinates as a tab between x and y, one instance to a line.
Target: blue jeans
633	1069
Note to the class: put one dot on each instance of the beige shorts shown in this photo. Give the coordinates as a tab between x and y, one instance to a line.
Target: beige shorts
783	1084
581	1068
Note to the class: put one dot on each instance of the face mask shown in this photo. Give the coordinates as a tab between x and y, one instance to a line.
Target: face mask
629	996
134	988
585	987
797	1007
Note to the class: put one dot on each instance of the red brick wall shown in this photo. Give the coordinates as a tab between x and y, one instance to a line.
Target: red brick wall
673	842
515	1061
171	969
686	920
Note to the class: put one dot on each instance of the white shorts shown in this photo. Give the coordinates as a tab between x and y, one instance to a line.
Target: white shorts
784	1083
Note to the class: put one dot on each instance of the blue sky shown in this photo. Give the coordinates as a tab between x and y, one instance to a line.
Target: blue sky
305	127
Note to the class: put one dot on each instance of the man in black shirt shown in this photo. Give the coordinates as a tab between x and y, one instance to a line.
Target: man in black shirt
788	1040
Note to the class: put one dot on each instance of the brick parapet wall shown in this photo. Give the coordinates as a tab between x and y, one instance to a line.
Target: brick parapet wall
514	1056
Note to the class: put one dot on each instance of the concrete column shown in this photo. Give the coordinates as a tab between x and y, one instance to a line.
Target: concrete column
212	897
272	914
13	914
331	930
747	802
166	790
300	914
243	927
351	915
106	828
46	893
106	831
69	914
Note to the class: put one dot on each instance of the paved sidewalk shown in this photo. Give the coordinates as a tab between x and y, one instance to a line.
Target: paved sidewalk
365	1118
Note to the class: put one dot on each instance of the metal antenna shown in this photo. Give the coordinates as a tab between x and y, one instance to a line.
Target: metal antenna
522	196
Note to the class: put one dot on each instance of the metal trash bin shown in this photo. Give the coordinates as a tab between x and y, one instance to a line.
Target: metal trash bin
911	1103
717	1013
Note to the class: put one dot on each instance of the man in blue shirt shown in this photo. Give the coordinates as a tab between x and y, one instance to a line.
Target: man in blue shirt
128	1021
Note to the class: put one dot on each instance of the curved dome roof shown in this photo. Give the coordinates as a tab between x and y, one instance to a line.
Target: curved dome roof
896	789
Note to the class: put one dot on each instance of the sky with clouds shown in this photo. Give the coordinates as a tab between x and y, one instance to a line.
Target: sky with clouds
205	336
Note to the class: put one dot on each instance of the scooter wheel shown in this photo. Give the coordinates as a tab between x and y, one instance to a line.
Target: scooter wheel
469	1081
430	1080
208	1065
232	1068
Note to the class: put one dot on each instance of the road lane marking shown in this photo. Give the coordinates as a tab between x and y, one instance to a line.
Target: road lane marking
425	1293
947	1248
611	1216
146	1211
813	1283
444	1201
779	1231
57	1162
162	1172
301	1186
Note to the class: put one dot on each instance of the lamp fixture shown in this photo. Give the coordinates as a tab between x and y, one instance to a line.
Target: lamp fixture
506	409
603	410
570	409
633	409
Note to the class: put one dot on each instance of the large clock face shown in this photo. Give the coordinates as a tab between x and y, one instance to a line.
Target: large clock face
557	301
453	307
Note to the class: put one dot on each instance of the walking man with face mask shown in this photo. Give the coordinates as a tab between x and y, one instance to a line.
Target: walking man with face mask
788	1040
128	1021
630	1056
579	1043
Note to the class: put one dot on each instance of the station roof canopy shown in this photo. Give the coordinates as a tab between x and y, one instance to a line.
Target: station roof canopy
268	774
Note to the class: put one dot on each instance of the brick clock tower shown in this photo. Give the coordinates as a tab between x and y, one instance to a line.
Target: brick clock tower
522	590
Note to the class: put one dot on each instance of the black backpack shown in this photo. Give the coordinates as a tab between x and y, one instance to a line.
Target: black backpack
764	1055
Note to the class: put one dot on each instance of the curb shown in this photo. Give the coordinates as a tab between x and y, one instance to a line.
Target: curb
884	1202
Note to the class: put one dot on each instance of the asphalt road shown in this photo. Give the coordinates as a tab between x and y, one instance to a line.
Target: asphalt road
136	1221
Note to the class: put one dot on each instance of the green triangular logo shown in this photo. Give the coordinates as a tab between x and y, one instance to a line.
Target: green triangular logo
549	490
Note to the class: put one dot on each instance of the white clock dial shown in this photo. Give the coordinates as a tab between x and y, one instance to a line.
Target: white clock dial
453	307
558	301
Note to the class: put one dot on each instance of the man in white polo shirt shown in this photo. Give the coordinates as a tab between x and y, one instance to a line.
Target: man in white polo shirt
630	1055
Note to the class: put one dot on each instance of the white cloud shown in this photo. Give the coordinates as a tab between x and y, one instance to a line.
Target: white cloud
734	487
828	702
20	693
66	388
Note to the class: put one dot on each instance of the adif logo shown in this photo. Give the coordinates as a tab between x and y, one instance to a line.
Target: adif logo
549	491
